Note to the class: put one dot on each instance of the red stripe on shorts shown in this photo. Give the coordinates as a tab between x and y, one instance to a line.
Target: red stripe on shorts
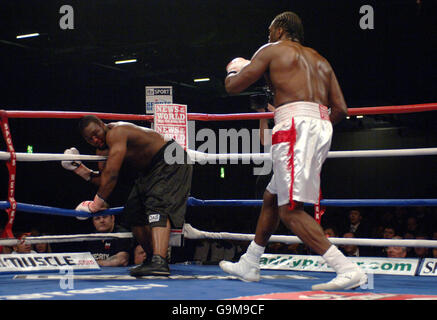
290	137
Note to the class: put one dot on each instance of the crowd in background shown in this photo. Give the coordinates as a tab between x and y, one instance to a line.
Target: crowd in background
366	222
374	223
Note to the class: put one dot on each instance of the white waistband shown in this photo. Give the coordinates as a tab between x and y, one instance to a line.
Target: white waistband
301	109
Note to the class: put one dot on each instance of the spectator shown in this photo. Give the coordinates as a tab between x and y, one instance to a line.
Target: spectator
350	250
139	255
389	232
396	251
22	246
109	252
412	225
421	252
330	232
359	228
40	247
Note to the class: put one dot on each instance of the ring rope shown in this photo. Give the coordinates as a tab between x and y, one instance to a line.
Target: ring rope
192	233
193	202
411	108
198	156
67	238
324	202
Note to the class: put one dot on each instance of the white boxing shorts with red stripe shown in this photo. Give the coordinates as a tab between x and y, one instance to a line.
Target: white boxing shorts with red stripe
301	140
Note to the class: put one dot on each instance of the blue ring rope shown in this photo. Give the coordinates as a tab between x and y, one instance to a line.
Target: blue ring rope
193	202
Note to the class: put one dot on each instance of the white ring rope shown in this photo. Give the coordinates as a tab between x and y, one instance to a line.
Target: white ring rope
68	238
23	156
201	156
192	233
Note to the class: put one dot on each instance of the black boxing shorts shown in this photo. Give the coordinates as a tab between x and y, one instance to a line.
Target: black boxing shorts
160	192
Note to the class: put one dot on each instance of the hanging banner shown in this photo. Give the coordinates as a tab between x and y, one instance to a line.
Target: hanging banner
157	95
170	120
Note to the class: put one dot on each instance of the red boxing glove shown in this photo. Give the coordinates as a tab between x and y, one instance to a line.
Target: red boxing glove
98	204
236	65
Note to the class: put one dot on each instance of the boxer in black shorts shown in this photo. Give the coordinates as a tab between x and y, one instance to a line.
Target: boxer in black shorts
160	193
158	198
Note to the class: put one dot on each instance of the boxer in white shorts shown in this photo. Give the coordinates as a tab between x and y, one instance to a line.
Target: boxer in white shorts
300	144
303	82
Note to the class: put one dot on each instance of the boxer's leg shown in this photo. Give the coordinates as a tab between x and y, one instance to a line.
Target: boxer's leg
304	227
157	263
349	275
247	268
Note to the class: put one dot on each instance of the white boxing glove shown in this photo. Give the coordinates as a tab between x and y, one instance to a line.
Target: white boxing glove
77	166
236	65
71	164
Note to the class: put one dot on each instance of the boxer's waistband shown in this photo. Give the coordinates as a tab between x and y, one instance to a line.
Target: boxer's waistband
158	157
301	109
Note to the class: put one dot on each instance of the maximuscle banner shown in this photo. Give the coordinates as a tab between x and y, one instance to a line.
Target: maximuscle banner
26	262
393	266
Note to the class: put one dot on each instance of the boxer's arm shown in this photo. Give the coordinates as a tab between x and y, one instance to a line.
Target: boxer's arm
238	82
101	165
117	143
336	101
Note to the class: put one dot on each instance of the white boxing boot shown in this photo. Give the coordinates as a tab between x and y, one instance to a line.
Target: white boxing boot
349	275
244	269
247	268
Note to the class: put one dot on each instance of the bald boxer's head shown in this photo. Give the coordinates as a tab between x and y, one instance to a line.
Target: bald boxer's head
287	23
93	130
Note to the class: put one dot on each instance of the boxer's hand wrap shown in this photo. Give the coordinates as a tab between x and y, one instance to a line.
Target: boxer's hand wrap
236	65
77	167
98	204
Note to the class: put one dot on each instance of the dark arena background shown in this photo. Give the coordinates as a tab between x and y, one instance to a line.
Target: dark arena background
393	63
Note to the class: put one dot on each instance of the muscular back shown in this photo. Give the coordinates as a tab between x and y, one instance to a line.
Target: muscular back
299	73
295	73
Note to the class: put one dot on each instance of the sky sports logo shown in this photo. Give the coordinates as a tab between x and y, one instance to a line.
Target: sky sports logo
159	92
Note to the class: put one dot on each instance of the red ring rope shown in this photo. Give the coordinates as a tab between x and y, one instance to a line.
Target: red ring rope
215	117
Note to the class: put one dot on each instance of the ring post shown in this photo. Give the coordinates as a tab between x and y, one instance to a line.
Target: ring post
11	164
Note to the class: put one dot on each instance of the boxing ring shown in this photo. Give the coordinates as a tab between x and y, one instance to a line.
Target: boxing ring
191	281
